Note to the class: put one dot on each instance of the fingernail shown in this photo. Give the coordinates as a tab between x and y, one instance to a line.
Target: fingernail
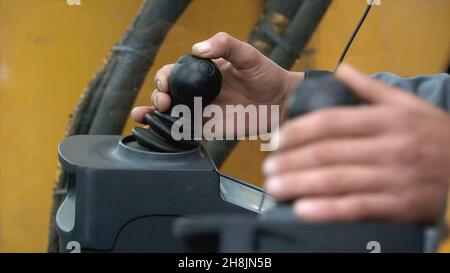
159	85
269	166
202	47
155	101
305	208
273	186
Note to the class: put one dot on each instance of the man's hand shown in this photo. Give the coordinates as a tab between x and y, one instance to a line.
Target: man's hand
388	160
248	76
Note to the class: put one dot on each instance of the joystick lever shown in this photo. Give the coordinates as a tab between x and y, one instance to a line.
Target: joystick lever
319	92
190	77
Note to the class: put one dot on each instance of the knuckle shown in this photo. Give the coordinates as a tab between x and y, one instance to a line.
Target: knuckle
159	73
164	71
222	34
404	118
165	68
223	37
384	118
408	150
252	58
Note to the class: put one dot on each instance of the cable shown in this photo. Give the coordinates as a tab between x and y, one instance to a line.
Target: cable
349	42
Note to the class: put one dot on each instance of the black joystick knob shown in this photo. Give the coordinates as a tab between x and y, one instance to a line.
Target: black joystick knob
317	93
190	77
194	77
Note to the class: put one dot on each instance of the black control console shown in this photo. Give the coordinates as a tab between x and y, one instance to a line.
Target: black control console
125	192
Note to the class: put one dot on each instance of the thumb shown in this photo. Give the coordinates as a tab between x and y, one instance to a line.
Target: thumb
366	88
222	45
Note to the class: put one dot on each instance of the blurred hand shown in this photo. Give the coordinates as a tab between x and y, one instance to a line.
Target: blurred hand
248	76
389	160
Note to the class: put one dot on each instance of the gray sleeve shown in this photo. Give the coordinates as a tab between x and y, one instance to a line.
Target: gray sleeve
434	88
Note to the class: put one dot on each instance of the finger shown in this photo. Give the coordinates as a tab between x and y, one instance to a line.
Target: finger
356	207
327	152
221	62
222	45
161	100
162	78
223	65
371	90
331	123
139	112
333	180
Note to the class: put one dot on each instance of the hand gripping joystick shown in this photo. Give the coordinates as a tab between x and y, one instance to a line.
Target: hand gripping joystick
277	230
315	93
190	77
